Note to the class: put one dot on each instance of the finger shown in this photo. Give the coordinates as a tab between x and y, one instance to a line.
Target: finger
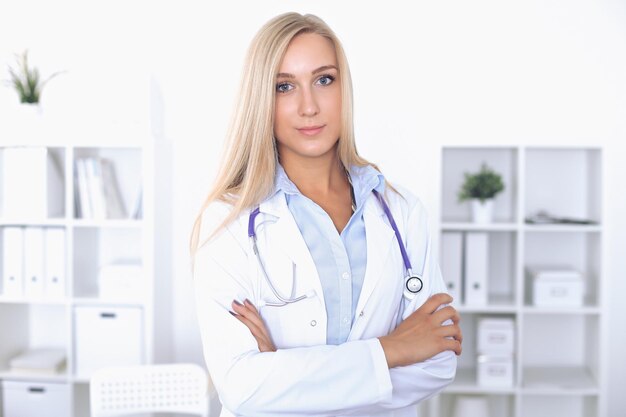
254	329
453	345
256	317
432	304
446	313
452	331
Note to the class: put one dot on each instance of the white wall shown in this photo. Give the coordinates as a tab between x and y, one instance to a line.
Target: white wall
433	73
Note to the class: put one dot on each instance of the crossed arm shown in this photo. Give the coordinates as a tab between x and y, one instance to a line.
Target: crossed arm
420	336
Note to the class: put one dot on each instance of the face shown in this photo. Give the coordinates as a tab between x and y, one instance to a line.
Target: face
307	118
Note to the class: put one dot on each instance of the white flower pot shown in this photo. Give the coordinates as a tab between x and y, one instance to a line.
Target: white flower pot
482	212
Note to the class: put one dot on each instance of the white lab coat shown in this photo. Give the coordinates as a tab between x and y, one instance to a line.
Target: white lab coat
305	376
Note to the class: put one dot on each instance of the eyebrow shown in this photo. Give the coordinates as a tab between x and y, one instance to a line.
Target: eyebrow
320	69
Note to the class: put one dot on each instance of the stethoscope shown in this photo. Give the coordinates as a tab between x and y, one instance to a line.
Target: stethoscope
412	283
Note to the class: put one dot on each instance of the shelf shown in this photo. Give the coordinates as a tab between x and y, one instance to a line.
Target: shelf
487	227
492	308
112	223
586	228
60	222
561	310
558	381
92	301
465	382
41	301
22	376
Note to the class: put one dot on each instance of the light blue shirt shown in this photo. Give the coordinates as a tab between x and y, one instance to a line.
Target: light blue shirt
340	259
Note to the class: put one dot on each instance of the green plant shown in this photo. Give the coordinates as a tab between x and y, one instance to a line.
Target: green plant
482	185
26	81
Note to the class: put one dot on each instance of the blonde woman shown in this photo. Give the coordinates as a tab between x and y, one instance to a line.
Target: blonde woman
316	286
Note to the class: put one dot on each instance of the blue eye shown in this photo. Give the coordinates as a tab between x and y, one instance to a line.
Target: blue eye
283	87
326	79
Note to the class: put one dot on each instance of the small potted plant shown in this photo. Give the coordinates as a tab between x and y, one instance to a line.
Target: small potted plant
27	82
481	188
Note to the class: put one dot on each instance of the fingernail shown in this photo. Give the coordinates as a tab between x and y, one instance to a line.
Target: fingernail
247	301
232	313
237	302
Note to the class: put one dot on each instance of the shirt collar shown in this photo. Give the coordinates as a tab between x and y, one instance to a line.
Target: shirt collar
364	180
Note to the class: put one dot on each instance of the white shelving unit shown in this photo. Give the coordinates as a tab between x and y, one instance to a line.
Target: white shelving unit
559	365
27	322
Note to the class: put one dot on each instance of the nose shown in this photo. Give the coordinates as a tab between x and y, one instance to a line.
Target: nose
308	105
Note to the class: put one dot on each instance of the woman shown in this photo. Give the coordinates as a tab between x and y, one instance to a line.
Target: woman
303	293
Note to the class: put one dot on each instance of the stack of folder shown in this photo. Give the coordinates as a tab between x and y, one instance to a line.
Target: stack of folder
41	361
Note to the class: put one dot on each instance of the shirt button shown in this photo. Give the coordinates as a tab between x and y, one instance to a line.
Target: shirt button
345	275
345	320
313	323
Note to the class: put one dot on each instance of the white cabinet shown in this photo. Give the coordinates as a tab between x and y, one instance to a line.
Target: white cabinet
35	399
107	336
550	215
66	251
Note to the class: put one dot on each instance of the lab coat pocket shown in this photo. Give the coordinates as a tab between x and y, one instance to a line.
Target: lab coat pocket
295	324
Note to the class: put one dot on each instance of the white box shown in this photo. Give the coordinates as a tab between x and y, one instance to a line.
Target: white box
54	277
107	337
33	262
496	336
35	399
452	263
476	268
495	370
32	183
13	262
557	287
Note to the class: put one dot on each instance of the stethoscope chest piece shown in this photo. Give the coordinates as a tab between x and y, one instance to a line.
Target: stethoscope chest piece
412	285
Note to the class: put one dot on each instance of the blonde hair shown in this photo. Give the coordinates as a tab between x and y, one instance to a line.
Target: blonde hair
246	174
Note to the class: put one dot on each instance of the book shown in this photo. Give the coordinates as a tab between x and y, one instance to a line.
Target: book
114	202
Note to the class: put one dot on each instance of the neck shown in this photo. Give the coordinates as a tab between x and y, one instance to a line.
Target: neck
315	176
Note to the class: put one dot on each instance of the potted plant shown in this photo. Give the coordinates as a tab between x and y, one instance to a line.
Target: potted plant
27	82
481	188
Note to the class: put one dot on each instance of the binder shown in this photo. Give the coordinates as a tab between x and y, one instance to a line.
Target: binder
452	263
114	202
96	191
86	211
476	268
33	262
54	281
12	262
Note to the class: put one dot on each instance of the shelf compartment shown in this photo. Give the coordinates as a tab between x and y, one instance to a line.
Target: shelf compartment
558	405
40	195
564	183
501	269
458	161
501	405
575	367
467	362
122	183
31	326
96	247
580	251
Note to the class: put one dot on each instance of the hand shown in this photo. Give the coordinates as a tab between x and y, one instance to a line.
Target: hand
248	315
422	335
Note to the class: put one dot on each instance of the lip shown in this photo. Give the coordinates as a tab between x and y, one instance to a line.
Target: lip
311	130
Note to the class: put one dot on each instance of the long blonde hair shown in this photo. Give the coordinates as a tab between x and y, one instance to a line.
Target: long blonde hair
246	174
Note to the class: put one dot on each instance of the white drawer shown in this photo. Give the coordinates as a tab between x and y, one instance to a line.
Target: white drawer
107	337
34	399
